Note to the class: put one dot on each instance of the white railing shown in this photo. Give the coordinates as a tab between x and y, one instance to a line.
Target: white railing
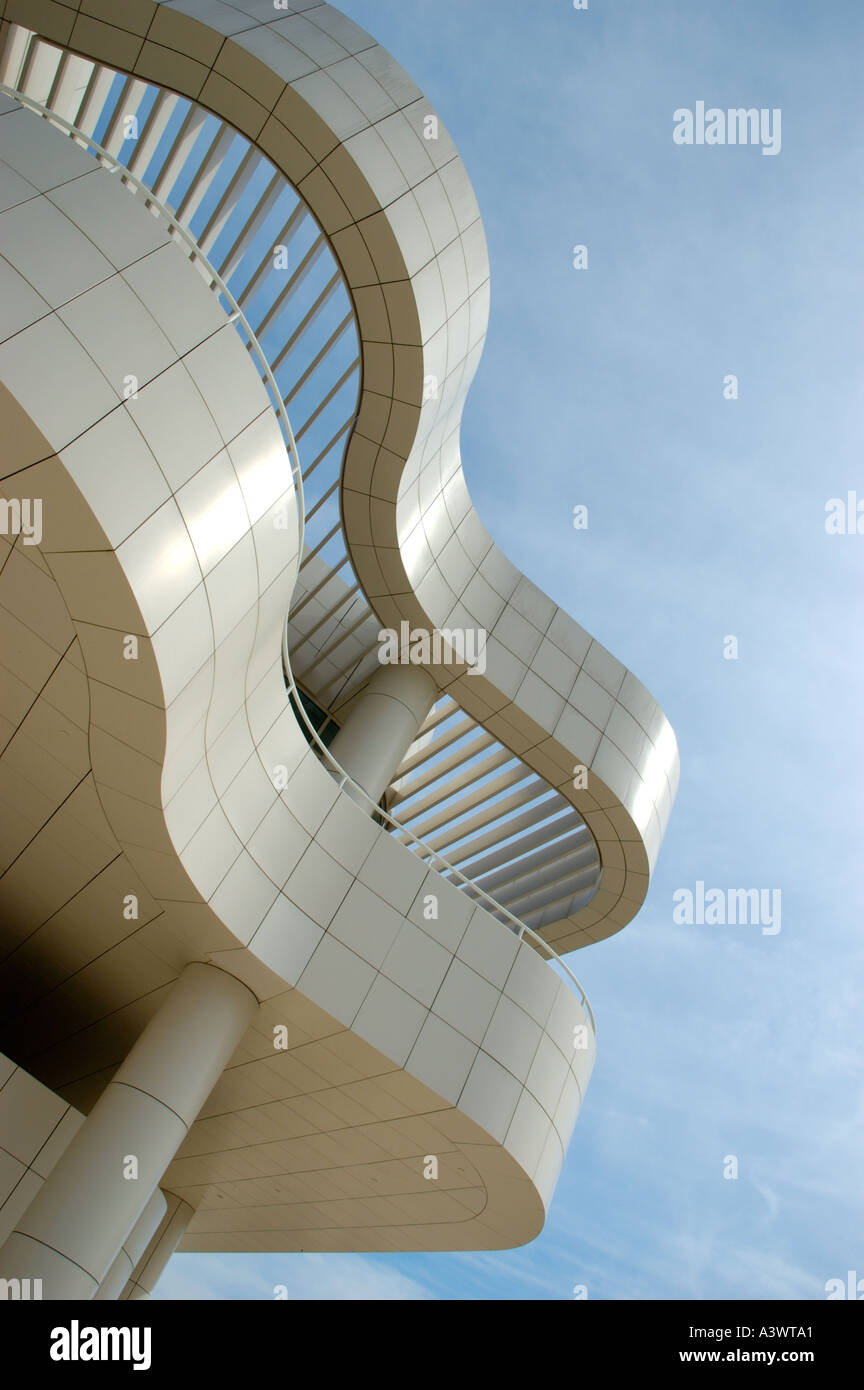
236	314
196	257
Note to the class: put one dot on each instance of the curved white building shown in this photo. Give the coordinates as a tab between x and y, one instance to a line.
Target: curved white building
276	917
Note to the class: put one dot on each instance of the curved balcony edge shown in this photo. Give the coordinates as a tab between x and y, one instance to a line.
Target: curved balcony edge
426	293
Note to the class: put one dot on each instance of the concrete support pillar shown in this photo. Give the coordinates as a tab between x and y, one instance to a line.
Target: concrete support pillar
149	1268
382	726
133	1248
71	1233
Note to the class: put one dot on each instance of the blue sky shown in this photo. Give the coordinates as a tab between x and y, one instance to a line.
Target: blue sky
604	387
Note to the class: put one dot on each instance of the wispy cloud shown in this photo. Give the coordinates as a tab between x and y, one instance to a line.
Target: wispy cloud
297	1277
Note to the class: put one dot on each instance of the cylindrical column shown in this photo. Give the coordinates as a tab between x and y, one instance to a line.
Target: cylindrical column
70	1234
149	1269
382	725
133	1248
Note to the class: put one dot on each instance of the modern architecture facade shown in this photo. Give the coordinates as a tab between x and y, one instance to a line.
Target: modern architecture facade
305	789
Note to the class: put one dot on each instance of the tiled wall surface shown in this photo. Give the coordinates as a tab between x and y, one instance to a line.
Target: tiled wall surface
348	127
196	786
35	1127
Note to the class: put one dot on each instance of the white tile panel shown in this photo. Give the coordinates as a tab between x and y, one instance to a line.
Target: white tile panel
311	792
286	939
394	871
20	305
13	188
190	805
532	984
441	911
392	77
592	701
306	36
569	637
160	564
332	102
546	1075
369	96
244	897
556	669
228	750
549	1168
11	1173
528	1132
442	1058
211	852
503	670
261	464
466	1001
454	277
186	310
336	979
605	668
579	734
50	252
231	592
57	1142
275	538
417	963
377	165
228	381
80	393
479	597
489	947
626	734
17	1202
33	149
411	231
126	496
213	510
568	1108
278	842
266	701
340	28
116	226
348	834
512	1038
28	1114
318	885
277	52
390	1020
229	19
366	923
610	764
490	1096
540	700
119	334
176	424
248	799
